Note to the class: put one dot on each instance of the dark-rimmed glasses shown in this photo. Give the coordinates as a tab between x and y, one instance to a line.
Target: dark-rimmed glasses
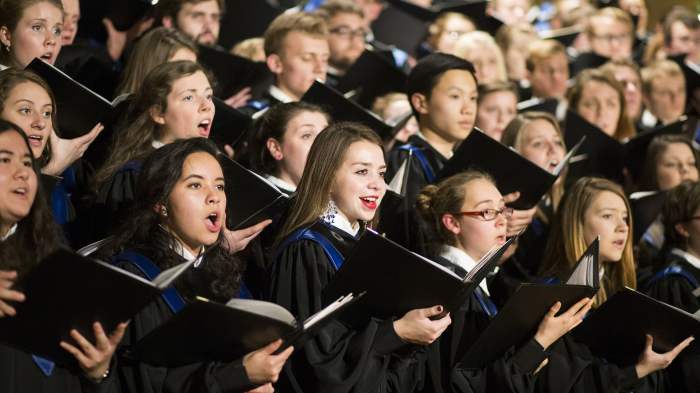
488	214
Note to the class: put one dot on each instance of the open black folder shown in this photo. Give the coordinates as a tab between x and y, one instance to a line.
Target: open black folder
373	75
474	9
522	314
68	291
208	331
511	171
397	280
606	156
250	198
616	330
78	109
234	73
342	109
230	125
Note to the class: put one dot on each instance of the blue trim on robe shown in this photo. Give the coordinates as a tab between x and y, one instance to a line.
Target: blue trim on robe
422	160
335	257
671	271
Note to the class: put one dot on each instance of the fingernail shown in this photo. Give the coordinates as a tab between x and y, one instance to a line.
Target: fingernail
439	308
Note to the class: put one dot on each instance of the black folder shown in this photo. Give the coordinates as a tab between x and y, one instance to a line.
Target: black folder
125	14
373	75
67	291
636	147
233	72
518	320
78	109
616	330
565	35
250	198
397	280
511	171
342	109
585	61
646	208
474	9
606	156
207	331
230	125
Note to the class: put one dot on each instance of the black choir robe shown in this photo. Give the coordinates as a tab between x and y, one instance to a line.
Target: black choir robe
684	372
513	372
19	374
211	377
402	224
371	358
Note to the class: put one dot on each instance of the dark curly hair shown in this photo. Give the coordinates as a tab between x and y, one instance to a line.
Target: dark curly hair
141	230
37	234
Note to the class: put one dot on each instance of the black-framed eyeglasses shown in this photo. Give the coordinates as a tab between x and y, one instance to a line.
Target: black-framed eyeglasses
488	214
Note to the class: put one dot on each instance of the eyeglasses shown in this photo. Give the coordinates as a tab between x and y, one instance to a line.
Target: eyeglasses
488	214
610	38
348	33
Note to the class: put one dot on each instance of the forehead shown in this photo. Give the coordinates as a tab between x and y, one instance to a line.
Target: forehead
210	6
202	164
605	23
539	127
299	42
364	151
608	200
43	10
478	190
595	87
558	58
12	141
676	149
456	78
196	81
505	97
31	91
346	18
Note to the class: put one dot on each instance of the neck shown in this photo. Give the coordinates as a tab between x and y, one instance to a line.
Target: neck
192	249
442	145
5	228
285	176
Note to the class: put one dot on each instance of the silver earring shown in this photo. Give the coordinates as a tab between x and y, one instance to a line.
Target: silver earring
164	211
328	215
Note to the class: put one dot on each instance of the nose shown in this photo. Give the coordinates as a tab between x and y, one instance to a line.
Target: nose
22	172
39	122
206	105
213	196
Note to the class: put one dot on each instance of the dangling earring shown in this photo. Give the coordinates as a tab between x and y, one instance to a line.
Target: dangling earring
328	215
164	211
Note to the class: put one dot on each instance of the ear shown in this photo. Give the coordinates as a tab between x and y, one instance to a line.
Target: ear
274	63
5	36
275	148
681	230
167	21
156	115
420	102
451	223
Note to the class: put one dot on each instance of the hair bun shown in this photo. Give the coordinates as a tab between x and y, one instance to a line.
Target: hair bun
424	200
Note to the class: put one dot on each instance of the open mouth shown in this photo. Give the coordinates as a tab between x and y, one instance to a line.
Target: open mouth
370	202
619	243
213	222
22	192
552	165
35	140
47	57
204	127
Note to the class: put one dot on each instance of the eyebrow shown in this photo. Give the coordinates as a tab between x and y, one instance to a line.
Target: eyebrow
484	201
196	176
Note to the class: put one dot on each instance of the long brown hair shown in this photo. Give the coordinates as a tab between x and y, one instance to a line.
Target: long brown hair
566	242
154	48
134	141
513	137
625	128
325	157
11	12
11	78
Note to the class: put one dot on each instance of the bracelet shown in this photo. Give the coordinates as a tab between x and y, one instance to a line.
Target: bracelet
101	377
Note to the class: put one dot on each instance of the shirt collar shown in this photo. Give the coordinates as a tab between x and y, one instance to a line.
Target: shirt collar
157	144
690	258
279	95
279	183
462	259
184	252
341	222
9	233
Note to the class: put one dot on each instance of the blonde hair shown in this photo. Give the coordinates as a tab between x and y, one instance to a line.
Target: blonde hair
477	41
659	69
566	241
609	12
250	48
277	31
446	197
325	157
541	50
514	137
383	102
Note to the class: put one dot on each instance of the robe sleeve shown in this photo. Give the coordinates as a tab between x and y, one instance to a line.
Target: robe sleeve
339	358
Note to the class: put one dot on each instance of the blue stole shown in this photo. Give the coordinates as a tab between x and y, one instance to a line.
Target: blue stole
422	160
335	257
150	270
60	200
673	270
485	302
